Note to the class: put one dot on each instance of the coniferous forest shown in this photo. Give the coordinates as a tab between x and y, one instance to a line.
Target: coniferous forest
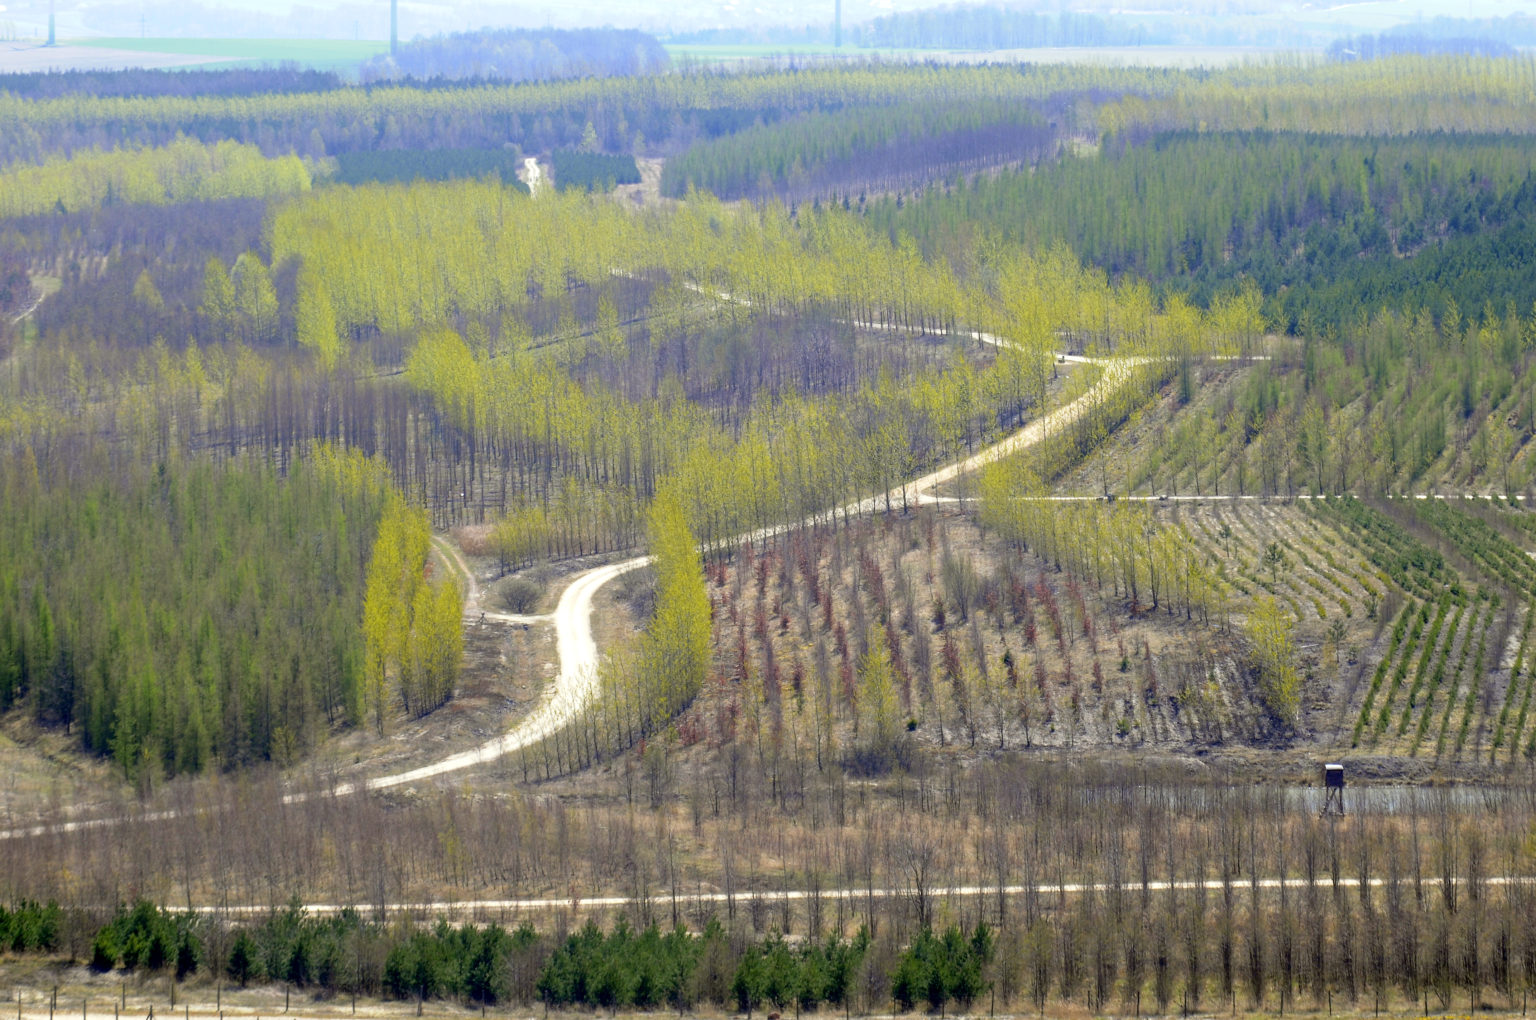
854	537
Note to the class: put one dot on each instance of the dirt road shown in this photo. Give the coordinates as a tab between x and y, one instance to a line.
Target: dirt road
577	682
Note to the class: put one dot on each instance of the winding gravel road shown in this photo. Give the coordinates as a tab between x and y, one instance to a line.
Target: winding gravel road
576	682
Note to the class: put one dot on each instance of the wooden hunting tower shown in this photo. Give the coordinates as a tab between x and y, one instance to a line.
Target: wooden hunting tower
1333	789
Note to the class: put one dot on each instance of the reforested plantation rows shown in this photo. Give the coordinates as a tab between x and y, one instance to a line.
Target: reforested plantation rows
550	408
1395	405
795	159
188	613
183	171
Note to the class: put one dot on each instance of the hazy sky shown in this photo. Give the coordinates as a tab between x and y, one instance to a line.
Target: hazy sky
344	18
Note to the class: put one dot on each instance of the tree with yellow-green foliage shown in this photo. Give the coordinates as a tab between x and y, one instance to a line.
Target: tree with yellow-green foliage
255	299
878	719
674	658
429	666
315	321
183	171
218	307
410	628
1274	654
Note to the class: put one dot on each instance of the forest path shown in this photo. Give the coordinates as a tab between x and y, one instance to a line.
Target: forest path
533	176
576	683
29	309
456	564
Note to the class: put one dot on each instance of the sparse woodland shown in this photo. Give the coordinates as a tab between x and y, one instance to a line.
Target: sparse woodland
311	415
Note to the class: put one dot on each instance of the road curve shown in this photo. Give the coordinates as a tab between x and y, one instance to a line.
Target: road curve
573	688
576	683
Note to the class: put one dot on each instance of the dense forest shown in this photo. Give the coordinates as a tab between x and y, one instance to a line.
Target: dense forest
190	82
523	54
666	110
408	165
815	154
182	171
592	171
1370	47
188	613
1330	228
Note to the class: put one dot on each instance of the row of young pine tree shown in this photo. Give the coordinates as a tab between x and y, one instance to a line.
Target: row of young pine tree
1103	950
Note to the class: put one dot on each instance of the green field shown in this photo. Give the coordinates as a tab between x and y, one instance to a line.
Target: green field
324	54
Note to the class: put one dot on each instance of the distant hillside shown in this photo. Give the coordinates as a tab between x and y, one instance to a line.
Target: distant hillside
989	28
524	55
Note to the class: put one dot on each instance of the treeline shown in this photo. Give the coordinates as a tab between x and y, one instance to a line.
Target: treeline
1516	29
406	165
238	81
523	54
797	158
592	171
669	111
1402	95
185	614
1330	228
183	171
1387	44
1107	948
993	28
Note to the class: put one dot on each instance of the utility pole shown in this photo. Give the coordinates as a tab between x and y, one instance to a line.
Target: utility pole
52	38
